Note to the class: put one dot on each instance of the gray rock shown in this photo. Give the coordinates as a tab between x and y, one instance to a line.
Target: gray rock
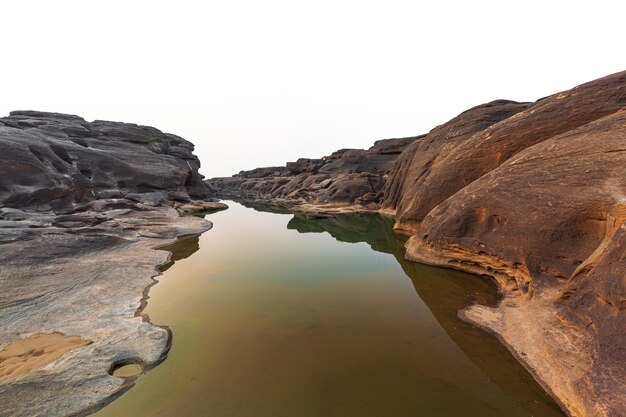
86	280
83	209
60	162
345	178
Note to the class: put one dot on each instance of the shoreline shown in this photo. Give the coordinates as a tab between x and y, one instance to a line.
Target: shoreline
119	331
463	315
129	382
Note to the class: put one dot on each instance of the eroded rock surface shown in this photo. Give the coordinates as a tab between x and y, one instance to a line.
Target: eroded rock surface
541	224
409	183
421	184
83	209
345	180
58	161
536	201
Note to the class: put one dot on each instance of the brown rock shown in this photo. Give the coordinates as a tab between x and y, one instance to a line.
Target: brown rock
548	225
429	181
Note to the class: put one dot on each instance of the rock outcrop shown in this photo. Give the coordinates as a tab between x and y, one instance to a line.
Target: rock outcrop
83	208
408	183
60	162
426	180
346	179
534	196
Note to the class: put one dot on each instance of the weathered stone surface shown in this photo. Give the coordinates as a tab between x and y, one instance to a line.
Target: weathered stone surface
409	184
58	161
204	207
88	282
536	201
347	178
546	224
83	208
414	191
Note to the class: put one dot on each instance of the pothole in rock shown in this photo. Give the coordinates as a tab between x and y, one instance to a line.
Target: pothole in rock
126	370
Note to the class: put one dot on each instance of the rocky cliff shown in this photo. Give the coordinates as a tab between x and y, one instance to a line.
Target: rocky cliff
534	196
83	206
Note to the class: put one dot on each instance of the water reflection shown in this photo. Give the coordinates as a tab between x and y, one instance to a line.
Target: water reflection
444	291
182	248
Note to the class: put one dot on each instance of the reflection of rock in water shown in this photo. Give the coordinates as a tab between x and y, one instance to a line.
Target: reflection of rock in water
444	291
265	207
181	249
374	230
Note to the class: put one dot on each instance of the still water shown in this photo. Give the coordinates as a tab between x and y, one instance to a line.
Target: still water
276	315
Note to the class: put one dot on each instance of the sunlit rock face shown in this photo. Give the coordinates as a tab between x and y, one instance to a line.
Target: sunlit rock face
60	161
481	139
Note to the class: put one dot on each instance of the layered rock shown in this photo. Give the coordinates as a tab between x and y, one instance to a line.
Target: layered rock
541	224
346	179
58	161
83	208
426	180
536	201
409	184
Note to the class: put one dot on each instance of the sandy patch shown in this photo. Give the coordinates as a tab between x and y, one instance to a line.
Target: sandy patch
24	355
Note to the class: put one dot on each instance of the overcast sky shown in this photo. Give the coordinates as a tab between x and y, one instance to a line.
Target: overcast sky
258	83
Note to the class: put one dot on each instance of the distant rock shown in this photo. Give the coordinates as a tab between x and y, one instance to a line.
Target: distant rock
347	177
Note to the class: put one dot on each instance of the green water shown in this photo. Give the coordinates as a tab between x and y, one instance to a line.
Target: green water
275	315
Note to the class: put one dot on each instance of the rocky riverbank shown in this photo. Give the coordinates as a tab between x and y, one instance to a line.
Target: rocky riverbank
530	194
347	181
83	209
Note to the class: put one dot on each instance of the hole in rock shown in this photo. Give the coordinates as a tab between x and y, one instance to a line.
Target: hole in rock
127	368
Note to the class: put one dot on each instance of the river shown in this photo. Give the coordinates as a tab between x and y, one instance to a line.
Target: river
279	315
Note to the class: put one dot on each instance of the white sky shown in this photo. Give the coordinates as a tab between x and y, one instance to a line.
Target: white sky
258	83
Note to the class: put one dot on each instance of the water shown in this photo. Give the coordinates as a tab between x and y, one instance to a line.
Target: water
275	315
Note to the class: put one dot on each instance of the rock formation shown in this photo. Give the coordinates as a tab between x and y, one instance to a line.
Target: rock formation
57	161
534	196
346	179
541	224
83	206
426	179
